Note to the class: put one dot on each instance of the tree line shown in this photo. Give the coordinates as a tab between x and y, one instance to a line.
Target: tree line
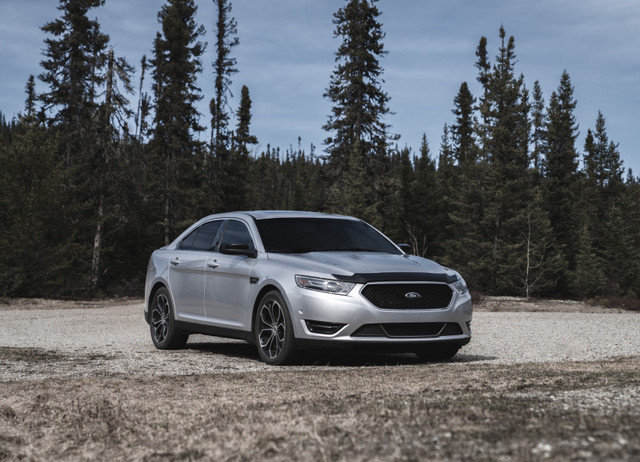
97	172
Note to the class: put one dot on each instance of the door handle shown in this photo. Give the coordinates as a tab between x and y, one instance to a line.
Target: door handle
212	264
175	261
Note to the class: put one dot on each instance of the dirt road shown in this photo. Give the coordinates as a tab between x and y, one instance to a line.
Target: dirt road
112	338
553	382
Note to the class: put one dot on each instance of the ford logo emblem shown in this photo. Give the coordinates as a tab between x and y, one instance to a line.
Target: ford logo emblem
412	295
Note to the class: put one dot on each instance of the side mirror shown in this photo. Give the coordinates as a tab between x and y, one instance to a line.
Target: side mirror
406	248
238	249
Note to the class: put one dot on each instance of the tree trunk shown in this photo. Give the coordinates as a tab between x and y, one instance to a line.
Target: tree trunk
97	247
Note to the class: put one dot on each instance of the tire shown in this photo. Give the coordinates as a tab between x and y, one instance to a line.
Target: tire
162	323
437	353
273	330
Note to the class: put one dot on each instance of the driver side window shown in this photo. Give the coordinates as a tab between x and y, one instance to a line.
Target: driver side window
237	233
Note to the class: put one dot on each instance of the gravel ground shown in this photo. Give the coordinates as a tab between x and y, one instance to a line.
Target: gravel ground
113	338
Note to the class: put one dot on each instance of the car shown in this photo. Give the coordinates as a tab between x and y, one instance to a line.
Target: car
290	281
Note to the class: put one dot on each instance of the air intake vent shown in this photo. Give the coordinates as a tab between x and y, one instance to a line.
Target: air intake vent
409	330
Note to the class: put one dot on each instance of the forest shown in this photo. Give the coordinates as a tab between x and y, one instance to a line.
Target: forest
97	172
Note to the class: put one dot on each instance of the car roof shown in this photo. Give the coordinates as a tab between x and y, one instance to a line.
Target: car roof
268	214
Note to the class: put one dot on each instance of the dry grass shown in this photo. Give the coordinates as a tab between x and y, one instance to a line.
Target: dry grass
557	411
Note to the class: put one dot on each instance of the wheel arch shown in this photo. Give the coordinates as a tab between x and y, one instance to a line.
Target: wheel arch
265	290
152	292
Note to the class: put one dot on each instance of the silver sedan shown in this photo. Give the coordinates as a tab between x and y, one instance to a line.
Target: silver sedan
288	281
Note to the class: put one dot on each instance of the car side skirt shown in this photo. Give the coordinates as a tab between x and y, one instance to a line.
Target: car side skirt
193	328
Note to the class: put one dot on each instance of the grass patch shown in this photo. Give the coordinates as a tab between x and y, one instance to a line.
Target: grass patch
29	355
411	412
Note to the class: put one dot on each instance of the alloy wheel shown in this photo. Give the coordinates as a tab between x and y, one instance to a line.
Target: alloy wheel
272	328
160	318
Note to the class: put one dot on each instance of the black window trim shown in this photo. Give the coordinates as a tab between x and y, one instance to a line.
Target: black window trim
216	239
223	229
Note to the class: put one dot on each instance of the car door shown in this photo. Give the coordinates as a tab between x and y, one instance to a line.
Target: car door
187	270
228	278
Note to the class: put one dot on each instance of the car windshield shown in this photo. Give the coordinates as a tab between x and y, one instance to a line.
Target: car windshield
301	235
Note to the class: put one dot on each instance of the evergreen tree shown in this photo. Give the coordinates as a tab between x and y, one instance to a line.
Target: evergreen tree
462	131
464	200
561	170
538	269
111	179
34	244
74	72
538	135
359	136
507	176
484	71
224	67
630	210
423	226
603	193
243	135
72	67
173	148
589	279
602	159
143	103
30	103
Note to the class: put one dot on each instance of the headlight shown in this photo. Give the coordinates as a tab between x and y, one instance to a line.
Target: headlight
324	285
461	286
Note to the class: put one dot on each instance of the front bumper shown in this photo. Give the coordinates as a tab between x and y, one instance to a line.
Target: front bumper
324	319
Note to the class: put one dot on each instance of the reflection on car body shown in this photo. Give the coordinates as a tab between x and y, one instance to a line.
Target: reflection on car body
287	281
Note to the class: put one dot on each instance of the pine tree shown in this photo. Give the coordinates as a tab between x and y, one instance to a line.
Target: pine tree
423	227
243	135
173	149
464	200
589	279
462	131
602	159
112	116
359	136
507	176
603	196
74	72
143	103
72	67
630	210
30	103
561	169
484	71
538	135
538	269
224	67
34	244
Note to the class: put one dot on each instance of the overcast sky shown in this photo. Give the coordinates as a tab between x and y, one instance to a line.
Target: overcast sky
286	56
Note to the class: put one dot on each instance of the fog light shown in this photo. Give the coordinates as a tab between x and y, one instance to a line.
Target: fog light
326	328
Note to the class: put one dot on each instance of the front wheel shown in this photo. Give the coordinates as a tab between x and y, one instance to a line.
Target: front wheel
164	331
273	330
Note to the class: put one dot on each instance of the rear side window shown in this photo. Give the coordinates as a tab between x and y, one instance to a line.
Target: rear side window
202	238
237	233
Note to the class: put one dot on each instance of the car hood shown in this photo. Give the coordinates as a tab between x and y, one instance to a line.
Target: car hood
361	263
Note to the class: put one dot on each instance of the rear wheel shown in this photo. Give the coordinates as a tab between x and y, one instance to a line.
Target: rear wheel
164	331
437	353
273	330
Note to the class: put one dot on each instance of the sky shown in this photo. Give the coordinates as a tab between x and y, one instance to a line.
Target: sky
287	53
